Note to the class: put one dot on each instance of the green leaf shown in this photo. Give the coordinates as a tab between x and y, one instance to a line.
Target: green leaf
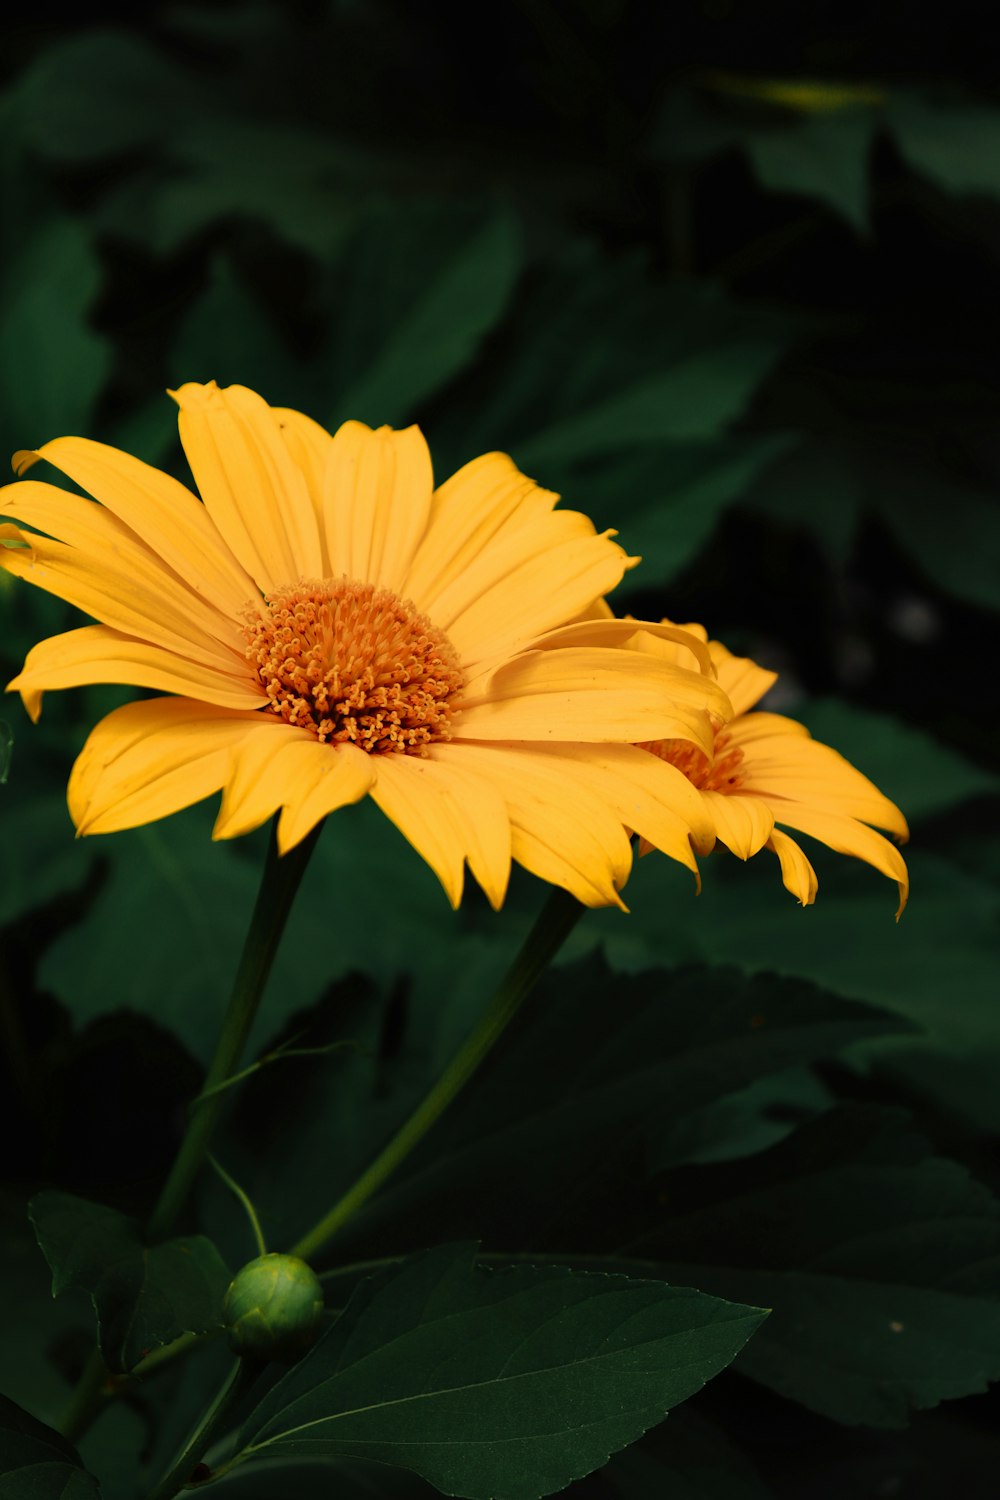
36	1463
100	93
954	143
824	156
52	363
163	936
441	322
744	916
144	1296
666	498
227	336
693	398
638	1057
41	859
880	1260
940	520
596	356
505	1384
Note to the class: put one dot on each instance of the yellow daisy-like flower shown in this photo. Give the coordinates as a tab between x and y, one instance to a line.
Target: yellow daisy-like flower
763	770
330	625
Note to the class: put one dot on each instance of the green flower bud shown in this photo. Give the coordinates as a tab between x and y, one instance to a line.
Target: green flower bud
273	1309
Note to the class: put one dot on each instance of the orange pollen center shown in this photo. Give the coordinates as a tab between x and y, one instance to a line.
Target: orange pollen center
721	773
352	662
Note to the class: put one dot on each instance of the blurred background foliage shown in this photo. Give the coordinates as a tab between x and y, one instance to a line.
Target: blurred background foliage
727	278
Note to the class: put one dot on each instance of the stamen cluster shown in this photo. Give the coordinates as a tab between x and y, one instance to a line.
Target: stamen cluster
721	773
352	662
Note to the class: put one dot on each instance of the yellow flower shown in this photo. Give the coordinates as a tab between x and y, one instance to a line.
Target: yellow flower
330	625
763	770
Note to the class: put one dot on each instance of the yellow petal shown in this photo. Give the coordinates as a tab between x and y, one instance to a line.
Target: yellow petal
512	598
310	447
110	574
342	774
742	823
150	759
267	766
417	802
161	511
847	837
473	511
592	696
378	488
797	873
744	682
673	643
760	729
482	814
804	771
561	830
649	796
96	653
256	495
468	805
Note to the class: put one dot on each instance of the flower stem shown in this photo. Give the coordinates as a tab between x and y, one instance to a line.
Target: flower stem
278	886
241	1377
555	922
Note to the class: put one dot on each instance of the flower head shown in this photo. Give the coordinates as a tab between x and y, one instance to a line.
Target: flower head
763	770
329	625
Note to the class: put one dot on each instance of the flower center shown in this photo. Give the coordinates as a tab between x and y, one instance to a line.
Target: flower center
351	662
721	773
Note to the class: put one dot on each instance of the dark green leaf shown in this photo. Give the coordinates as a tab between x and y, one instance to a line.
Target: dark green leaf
637	1057
504	1384
36	1463
744	916
227	336
144	1296
52	363
666	498
446	318
880	1260
952	142
824	156
41	858
692	398
99	93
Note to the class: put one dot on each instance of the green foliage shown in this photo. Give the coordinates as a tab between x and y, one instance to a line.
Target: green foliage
144	1296
744	313
36	1463
881	1263
52	363
510	1383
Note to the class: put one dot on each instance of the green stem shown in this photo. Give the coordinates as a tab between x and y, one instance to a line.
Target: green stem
241	1377
279	883
87	1399
248	1207
278	886
556	921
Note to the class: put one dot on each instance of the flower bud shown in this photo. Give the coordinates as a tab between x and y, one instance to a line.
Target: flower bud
273	1309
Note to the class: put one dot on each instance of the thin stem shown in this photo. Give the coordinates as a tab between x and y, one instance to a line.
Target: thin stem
556	921
87	1399
279	883
240	1378
251	1212
278	886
